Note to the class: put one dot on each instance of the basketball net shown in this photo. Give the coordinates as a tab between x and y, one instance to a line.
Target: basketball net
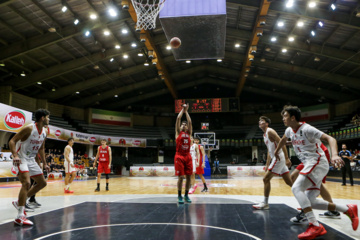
146	12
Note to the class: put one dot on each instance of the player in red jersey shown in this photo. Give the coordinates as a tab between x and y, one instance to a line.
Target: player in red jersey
183	160
104	156
201	165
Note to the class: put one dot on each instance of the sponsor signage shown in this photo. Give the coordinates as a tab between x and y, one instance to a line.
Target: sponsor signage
13	119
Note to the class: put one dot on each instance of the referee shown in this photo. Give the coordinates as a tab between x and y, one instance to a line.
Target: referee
346	157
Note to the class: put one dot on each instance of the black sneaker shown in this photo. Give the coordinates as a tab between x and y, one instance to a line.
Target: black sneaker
330	214
299	218
107	188
34	204
97	190
343	184
28	208
204	190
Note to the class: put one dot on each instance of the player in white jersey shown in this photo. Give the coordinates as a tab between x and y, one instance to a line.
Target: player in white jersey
306	141
25	145
70	171
195	155
273	166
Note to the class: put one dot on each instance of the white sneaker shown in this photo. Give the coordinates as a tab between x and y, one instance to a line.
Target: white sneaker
261	206
22	220
191	191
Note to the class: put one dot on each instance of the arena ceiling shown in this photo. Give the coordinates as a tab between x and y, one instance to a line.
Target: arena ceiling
43	54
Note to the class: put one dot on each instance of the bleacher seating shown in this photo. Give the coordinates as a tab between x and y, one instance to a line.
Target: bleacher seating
59	122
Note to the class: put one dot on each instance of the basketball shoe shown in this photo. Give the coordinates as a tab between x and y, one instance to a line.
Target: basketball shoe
180	200
261	206
313	232
16	205
205	190
22	220
191	191
97	189
352	213
187	199
299	218
330	214
68	190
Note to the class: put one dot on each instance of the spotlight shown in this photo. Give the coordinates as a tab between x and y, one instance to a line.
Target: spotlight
237	45
168	47
76	21
333	7
259	32
273	39
300	24
106	32
111	59
140	54
133	45
23	74
289	3
87	33
116	96
39	83
188	61
253	49
280	24
112	12
142	37
124	31
284	50
312	4
313	33
77	92
93	16
125	4
291	39
146	63
53	89
219	60
321	24
262	21
117	46
64	9
150	53
125	56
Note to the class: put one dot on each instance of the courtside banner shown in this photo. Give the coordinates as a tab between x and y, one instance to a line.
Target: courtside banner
125	142
139	171
111	117
164	171
13	119
246	171
5	169
315	113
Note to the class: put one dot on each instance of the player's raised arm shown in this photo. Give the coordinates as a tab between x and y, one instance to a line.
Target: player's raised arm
178	123
188	119
335	159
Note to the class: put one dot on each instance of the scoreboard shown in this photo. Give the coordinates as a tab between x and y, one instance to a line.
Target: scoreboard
208	105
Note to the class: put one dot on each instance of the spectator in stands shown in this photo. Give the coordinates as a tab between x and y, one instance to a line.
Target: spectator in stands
53	167
347	158
2	157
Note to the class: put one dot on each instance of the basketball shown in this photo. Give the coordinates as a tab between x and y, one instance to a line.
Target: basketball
175	42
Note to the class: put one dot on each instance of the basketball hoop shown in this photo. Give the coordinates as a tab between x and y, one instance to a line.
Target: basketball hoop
146	12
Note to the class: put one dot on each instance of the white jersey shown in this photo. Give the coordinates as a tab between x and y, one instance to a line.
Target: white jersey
28	149
71	155
193	152
271	146
306	143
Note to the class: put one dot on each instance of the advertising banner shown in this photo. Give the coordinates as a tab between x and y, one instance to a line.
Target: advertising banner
139	171
5	170
13	119
164	171
246	171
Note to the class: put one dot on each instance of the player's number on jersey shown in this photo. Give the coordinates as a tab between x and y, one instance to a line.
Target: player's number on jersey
36	148
186	141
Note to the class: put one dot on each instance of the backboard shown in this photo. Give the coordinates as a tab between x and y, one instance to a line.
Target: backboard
213	147
206	138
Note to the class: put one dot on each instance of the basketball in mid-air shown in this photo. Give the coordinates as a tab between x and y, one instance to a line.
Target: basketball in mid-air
175	42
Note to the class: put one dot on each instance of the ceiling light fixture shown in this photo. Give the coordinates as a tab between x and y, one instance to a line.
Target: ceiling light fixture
106	32
133	45
117	46
333	7
237	45
168	47
39	83
64	9
289	3
313	33
291	39
87	33
284	50
188	61
273	39
146	63
219	60
111	59
112	12
312	4
280	24
53	89
125	56
23	74
321	24
77	92
116	96
93	16
124	31
76	21
140	54
300	24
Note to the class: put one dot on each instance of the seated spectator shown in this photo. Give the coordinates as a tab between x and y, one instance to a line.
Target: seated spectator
2	157
53	167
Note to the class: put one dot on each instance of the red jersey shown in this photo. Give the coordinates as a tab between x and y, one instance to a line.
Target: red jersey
104	154
183	143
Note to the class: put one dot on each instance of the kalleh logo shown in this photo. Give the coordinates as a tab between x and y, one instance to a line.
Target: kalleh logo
14	120
92	139
57	133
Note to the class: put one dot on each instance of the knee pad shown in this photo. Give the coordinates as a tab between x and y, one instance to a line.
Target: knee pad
107	176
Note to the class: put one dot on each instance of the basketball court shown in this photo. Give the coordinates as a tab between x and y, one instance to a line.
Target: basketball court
146	207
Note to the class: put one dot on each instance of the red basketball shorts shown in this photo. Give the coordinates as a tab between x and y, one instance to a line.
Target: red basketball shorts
104	167
183	164
301	166
199	169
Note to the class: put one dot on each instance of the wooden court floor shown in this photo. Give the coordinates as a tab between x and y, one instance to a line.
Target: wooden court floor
156	185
